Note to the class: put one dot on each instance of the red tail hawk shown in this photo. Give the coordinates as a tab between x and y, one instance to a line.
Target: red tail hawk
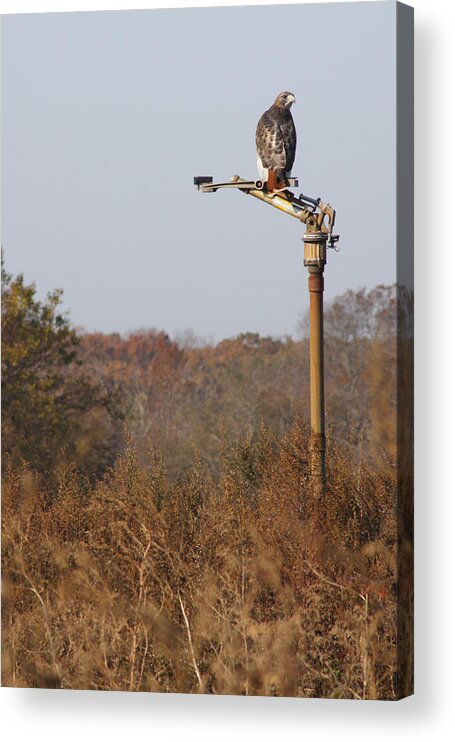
275	143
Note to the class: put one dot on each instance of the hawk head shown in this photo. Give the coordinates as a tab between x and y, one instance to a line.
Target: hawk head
285	100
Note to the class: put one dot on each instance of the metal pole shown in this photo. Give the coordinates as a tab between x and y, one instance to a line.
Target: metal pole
315	250
319	218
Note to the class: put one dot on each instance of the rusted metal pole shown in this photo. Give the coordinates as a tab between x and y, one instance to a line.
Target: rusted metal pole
315	249
319	219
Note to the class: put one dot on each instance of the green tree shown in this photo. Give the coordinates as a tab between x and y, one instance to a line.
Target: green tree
52	410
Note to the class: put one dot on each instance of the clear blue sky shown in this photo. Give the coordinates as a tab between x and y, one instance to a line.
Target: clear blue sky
107	116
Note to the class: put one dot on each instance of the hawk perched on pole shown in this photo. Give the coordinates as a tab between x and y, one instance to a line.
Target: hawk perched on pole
276	140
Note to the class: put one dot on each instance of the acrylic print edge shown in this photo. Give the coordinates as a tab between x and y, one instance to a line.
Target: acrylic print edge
405	346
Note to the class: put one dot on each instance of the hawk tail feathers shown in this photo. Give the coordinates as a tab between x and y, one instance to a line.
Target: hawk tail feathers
276	181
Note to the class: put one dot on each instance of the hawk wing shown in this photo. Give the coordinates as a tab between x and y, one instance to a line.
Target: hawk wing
270	143
290	142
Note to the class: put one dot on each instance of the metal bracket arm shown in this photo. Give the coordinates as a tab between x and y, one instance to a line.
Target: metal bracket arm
317	215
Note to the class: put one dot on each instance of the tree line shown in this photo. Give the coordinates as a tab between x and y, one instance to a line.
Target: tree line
68	396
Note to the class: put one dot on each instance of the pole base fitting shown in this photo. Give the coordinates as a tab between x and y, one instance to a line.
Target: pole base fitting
315	248
316	282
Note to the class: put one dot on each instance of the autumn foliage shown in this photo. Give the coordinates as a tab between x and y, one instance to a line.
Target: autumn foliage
184	550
